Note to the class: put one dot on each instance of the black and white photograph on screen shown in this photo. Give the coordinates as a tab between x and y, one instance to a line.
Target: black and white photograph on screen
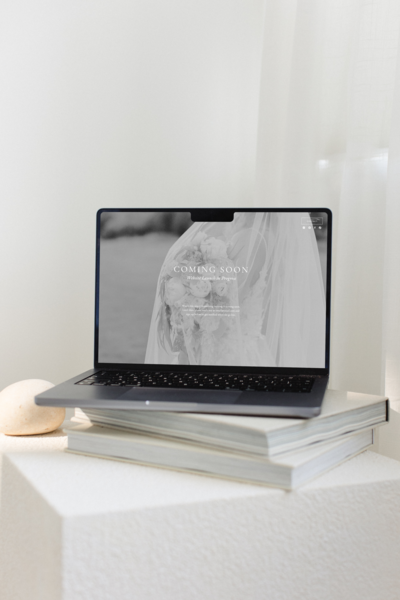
250	292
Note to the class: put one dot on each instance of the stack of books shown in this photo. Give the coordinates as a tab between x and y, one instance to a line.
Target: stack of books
278	452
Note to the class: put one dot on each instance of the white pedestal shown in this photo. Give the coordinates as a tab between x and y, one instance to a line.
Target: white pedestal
80	528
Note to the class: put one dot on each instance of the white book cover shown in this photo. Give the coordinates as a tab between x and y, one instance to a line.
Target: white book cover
342	413
287	472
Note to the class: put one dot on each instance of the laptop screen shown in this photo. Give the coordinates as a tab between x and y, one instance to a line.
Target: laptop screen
251	292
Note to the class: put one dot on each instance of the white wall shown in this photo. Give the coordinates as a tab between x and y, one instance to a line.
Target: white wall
110	103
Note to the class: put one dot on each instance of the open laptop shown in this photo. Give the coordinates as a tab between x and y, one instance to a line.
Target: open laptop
208	310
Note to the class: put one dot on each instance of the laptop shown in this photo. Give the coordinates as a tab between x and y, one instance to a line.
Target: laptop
210	311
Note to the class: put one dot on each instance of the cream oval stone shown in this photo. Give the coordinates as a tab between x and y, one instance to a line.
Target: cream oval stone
19	415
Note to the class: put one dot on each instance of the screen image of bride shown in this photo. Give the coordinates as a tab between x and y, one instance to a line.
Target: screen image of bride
244	293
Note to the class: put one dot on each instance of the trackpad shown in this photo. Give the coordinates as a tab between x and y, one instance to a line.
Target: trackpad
179	395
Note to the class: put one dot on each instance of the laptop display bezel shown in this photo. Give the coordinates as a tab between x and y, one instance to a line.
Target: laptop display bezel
210	368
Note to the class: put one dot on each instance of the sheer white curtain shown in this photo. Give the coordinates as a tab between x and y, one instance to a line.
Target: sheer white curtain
329	135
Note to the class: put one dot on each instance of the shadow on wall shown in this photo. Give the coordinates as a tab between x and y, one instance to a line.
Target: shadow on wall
114	225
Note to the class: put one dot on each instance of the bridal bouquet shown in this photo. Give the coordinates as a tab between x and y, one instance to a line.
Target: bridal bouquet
199	300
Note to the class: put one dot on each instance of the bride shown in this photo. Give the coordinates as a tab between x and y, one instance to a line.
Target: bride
245	293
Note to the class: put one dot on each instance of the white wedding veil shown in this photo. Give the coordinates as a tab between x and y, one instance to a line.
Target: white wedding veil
277	285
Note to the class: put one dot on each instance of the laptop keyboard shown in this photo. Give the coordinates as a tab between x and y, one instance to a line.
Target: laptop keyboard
227	381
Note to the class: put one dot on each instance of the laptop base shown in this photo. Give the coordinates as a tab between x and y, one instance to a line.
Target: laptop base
234	402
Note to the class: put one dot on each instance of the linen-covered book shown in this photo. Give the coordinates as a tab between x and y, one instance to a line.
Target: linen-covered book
288	471
342	413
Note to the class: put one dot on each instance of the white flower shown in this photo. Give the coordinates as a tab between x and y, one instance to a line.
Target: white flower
200	287
192	254
189	270
212	249
197	302
174	289
198	238
220	287
182	300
